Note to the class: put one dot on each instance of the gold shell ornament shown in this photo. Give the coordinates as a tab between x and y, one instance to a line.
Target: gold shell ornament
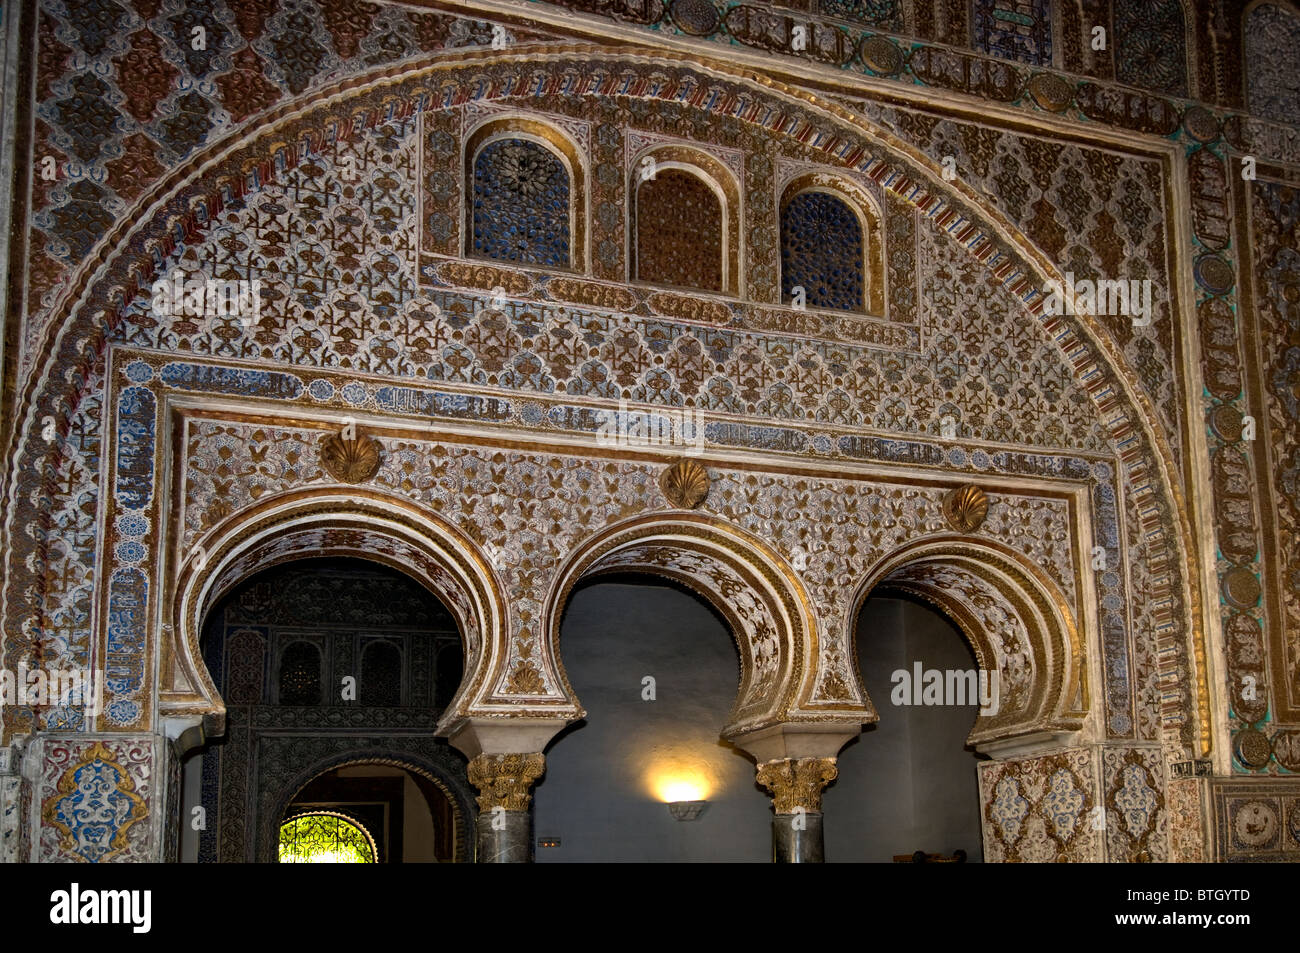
685	484
353	460
965	508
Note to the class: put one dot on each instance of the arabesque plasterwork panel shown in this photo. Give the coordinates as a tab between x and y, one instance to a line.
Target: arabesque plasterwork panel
484	391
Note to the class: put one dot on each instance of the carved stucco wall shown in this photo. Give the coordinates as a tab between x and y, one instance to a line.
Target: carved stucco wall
355	232
981	386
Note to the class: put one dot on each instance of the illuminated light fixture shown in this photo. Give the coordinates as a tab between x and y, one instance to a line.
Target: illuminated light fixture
684	783
681	787
686	810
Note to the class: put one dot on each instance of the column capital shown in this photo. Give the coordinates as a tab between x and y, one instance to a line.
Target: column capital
505	780
797	783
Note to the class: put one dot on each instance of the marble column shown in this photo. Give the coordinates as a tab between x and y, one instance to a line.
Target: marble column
505	823
796	785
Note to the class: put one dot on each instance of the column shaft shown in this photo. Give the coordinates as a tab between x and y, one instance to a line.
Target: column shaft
505	825
796	786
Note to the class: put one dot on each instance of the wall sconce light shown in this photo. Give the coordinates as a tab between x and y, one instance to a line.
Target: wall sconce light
686	810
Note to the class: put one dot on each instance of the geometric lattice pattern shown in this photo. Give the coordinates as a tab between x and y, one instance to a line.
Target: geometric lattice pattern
821	250
679	232
381	675
300	675
1151	45
521	204
1272	41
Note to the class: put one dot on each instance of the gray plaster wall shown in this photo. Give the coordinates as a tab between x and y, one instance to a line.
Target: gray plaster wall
907	784
599	792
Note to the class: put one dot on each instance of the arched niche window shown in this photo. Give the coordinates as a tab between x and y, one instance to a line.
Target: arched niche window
524	195
830	246
300	677
381	675
1272	62
684	221
325	837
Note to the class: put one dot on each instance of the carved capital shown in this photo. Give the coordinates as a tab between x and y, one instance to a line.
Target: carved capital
797	783
505	779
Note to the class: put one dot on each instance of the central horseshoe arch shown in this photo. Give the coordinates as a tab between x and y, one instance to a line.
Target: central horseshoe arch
745	580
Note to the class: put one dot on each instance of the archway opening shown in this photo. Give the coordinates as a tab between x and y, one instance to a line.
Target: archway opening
334	672
326	837
657	670
406	817
907	788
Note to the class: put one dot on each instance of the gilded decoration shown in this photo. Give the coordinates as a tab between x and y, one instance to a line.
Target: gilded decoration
1040	810
965	508
797	784
1015	622
305	157
1252	748
1051	91
96	801
830	680
505	780
685	484
353	459
881	55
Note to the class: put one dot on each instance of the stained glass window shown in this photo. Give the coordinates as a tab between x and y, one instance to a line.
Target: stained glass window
381	675
520	207
323	837
300	675
822	251
678	231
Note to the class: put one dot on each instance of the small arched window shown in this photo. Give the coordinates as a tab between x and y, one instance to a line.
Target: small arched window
823	251
381	675
300	679
678	231
520	204
324	837
684	220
